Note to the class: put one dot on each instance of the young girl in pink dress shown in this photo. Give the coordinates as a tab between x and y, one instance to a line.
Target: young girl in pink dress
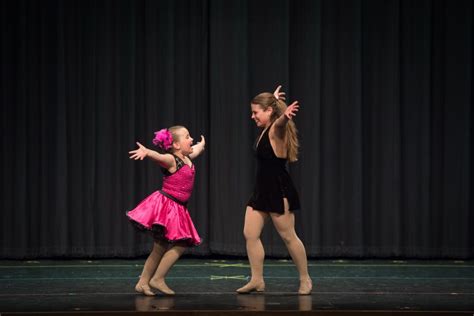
164	212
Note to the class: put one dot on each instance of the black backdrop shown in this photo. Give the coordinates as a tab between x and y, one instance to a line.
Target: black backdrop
386	123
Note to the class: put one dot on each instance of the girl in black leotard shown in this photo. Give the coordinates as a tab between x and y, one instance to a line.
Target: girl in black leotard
272	183
274	195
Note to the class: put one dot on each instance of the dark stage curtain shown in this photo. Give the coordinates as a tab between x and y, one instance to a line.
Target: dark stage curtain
386	121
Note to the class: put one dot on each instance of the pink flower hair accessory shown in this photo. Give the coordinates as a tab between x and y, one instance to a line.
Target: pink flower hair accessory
163	139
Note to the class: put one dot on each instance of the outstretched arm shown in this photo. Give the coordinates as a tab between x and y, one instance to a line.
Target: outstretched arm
280	123
166	161
198	148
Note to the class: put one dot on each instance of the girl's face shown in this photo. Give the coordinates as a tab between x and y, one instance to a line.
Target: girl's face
184	143
261	116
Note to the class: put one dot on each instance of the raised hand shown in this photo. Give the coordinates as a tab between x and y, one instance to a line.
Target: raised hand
291	110
279	95
198	148
139	153
203	141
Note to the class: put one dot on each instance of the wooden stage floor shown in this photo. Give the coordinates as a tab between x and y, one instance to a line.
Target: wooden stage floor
207	287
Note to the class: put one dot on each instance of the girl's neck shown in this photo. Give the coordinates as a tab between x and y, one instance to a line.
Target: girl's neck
268	124
180	155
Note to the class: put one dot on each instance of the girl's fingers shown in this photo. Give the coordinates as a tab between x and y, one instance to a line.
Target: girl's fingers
294	104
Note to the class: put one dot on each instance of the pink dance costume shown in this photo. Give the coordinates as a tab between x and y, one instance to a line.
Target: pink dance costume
164	212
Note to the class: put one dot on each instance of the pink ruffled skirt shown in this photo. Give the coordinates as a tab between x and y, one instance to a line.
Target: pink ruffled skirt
165	219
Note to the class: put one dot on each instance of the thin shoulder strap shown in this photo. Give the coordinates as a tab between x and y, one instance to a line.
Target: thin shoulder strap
179	162
260	138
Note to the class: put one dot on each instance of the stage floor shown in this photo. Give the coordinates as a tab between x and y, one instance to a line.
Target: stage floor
106	286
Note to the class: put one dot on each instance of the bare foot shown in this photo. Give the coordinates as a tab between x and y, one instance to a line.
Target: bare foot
144	289
257	286
306	285
161	286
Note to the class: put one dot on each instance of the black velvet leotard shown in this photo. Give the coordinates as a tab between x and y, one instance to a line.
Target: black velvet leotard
273	182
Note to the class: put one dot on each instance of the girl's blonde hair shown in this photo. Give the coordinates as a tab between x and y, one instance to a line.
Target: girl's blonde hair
173	130
267	99
165	138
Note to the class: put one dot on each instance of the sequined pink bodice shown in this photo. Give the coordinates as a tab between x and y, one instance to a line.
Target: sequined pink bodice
180	184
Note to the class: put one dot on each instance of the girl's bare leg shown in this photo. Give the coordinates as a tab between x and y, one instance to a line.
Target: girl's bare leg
285	225
149	268
254	222
167	261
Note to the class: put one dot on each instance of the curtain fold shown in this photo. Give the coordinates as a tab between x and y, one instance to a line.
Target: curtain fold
385	126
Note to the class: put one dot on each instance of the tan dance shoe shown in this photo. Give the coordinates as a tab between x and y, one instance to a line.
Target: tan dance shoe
306	286
252	287
162	287
144	289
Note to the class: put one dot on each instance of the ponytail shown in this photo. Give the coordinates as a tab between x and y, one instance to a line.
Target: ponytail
291	135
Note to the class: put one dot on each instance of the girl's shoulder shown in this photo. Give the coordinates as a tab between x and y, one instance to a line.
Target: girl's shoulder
168	154
276	133
173	157
178	164
170	165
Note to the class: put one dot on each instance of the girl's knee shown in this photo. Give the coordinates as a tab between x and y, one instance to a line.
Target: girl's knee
289	237
158	248
251	235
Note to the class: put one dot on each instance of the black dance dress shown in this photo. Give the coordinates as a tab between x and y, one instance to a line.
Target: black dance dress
273	182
